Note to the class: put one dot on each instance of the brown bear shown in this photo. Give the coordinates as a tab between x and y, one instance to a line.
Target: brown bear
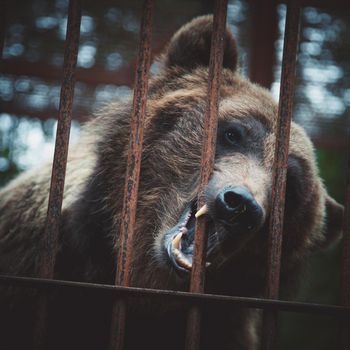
237	209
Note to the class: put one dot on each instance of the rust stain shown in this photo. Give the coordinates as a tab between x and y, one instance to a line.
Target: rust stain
279	170
132	174
47	264
207	165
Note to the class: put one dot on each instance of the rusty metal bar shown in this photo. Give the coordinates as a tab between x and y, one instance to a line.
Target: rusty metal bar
279	170
184	297
62	139
126	230
47	263
345	282
207	164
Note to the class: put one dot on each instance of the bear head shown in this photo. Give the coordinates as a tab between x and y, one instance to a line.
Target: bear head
239	192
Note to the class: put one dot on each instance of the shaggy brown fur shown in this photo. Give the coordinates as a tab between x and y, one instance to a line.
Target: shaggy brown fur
169	183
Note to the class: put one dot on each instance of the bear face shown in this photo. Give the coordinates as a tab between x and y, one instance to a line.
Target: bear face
239	192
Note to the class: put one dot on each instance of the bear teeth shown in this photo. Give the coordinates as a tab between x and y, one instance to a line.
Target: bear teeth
177	241
182	261
179	257
202	211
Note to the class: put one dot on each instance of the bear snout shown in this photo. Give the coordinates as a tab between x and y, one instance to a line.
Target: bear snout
236	208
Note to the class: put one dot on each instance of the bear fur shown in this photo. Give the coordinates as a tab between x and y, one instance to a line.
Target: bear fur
169	183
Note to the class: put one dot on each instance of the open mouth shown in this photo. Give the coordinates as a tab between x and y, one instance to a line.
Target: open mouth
231	219
180	242
220	244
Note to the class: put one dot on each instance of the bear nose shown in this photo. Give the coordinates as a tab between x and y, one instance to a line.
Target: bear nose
232	202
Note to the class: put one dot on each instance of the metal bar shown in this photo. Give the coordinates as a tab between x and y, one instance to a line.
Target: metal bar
345	281
62	139
126	230
184	297
279	170
207	165
50	249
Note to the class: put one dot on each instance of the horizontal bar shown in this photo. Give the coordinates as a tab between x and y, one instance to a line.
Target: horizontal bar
184	297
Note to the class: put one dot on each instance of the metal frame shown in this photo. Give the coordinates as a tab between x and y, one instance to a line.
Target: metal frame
121	291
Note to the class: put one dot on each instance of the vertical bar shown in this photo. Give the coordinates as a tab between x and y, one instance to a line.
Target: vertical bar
345	323
47	263
207	165
62	139
126	231
280	169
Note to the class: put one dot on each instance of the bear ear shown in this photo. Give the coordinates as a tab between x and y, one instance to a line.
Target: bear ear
190	46
334	222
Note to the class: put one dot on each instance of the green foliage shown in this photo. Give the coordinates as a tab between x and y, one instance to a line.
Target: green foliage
332	165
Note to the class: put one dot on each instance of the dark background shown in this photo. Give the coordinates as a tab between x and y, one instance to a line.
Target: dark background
30	72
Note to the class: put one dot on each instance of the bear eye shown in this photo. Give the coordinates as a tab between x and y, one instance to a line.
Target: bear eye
233	136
